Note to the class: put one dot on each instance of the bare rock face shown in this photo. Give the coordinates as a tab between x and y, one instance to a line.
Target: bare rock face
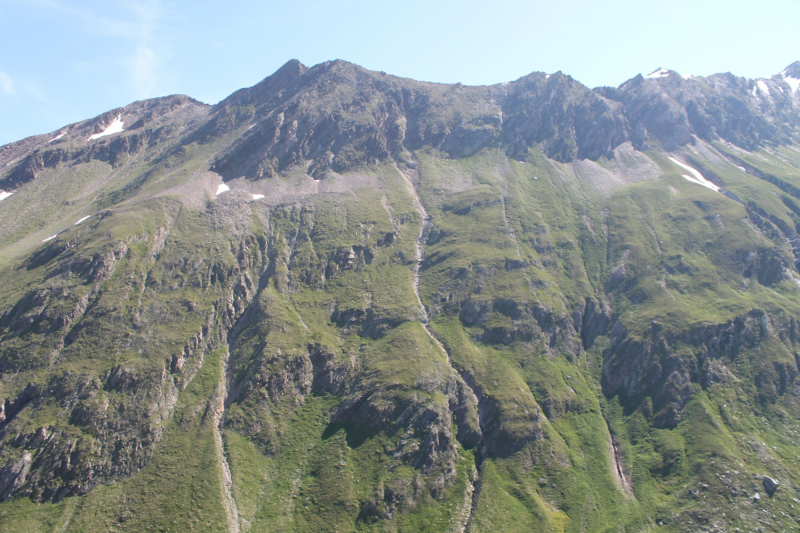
300	114
13	475
652	367
673	108
148	122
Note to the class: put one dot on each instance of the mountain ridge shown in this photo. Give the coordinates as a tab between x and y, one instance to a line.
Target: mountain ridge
698	118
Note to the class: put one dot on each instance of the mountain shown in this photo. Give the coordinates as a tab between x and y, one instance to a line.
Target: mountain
341	300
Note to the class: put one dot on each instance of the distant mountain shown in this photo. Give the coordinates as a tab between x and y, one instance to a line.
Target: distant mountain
343	300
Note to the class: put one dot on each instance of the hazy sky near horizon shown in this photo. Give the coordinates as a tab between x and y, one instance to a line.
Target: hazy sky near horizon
62	61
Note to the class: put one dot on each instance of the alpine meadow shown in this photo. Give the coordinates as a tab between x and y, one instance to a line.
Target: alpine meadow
341	300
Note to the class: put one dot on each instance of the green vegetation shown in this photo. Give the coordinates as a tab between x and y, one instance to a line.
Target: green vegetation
602	345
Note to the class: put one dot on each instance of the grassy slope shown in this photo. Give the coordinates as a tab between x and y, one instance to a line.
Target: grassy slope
488	213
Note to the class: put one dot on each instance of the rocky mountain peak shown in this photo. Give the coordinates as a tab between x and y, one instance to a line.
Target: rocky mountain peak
670	108
791	77
269	87
792	70
661	72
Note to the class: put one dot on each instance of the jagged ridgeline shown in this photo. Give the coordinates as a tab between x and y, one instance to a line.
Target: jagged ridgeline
345	301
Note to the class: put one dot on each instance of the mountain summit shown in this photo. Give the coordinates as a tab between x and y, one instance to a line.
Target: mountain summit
344	300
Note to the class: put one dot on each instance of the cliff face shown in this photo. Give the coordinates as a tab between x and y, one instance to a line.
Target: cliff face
344	300
747	113
340	117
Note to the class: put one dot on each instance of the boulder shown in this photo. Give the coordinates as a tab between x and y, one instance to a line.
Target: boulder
770	485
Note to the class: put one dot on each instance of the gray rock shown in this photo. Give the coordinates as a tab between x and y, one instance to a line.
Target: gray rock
13	476
770	485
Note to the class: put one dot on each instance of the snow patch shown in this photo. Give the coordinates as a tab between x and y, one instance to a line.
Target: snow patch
794	83
222	188
698	182
696	177
114	127
546	76
4	195
258	196
57	137
764	87
50	238
81	220
251	127
658	73
755	91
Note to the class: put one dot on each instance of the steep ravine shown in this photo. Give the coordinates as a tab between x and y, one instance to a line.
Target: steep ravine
616	467
425	228
229	502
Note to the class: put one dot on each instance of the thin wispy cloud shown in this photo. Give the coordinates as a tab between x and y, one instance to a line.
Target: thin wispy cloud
144	71
134	24
139	25
20	86
6	85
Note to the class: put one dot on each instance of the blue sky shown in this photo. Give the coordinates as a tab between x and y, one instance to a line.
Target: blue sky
62	61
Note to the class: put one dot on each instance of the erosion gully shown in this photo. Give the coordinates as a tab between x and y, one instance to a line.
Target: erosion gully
473	490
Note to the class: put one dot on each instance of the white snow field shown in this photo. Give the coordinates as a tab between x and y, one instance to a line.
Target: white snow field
258	196
222	188
696	177
764	87
658	73
114	127
57	137
81	220
794	83
50	238
4	195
